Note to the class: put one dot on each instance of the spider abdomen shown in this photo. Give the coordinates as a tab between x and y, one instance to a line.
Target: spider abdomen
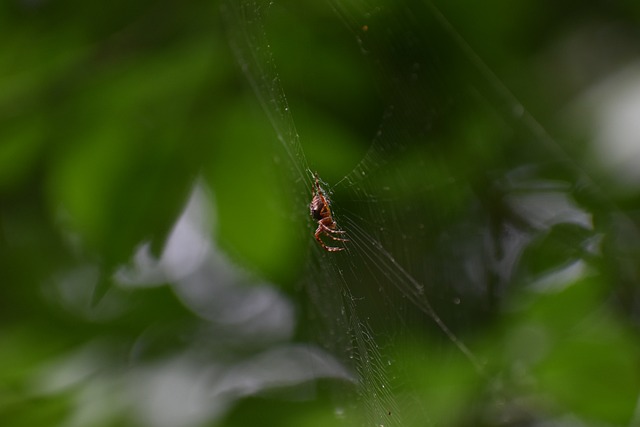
316	206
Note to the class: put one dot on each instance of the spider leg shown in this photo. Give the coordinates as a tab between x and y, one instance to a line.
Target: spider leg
331	230
332	248
328	231
319	231
339	239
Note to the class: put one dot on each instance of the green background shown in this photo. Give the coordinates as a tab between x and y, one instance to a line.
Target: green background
110	112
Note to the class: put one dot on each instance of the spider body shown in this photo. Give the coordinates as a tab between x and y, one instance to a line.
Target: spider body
321	212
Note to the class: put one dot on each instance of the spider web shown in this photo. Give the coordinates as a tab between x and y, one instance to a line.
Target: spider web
415	269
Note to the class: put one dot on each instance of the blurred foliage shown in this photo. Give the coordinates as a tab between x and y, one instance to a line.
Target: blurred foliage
111	114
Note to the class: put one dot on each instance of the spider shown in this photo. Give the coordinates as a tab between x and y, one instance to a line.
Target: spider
321	212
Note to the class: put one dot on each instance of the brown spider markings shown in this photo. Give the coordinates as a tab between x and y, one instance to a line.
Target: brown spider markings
321	212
